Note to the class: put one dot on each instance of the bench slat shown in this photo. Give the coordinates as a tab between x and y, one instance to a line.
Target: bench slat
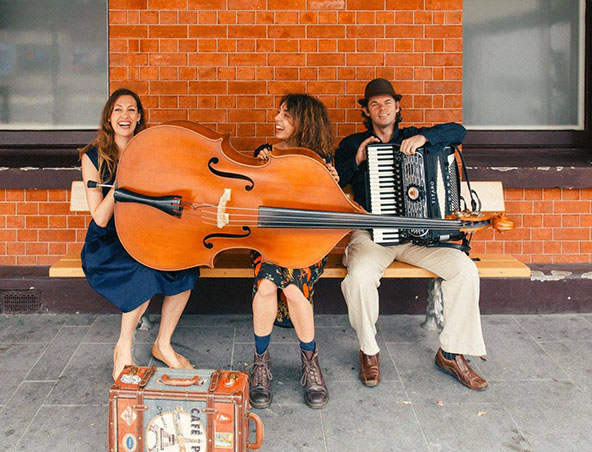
237	265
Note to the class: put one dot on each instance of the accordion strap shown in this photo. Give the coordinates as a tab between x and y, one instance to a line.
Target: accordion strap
475	201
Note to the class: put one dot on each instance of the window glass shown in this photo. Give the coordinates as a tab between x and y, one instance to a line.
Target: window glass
53	63
523	64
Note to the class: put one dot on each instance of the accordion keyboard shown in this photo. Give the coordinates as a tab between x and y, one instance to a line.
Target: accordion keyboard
397	185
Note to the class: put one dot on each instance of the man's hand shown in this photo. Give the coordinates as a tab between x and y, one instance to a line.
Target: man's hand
409	145
361	152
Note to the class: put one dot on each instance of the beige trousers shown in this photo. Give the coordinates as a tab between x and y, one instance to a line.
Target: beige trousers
366	262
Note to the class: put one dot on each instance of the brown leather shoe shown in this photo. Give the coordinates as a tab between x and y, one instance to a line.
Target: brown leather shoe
316	394
459	368
369	369
260	381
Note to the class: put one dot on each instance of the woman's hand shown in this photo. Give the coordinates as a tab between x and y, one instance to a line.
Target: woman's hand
264	154
333	171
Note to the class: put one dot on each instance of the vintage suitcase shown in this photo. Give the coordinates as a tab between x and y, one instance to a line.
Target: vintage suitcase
177	410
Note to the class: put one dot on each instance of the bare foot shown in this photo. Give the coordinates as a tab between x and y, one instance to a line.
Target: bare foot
122	356
167	355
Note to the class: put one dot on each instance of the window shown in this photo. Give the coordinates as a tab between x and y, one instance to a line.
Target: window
53	64
524	69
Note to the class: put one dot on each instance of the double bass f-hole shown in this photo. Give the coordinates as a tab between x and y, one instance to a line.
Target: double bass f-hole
215	160
210	245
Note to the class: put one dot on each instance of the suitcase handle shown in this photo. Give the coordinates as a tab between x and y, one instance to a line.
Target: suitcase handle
258	431
167	380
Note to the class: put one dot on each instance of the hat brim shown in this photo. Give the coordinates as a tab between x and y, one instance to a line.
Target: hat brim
364	102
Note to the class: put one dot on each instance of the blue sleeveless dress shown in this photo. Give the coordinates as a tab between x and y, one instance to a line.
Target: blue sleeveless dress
117	276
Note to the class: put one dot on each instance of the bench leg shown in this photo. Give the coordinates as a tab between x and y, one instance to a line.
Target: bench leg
145	323
434	320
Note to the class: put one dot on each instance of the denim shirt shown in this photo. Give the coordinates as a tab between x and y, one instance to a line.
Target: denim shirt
345	156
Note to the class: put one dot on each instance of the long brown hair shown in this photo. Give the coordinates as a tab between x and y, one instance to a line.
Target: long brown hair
105	139
312	128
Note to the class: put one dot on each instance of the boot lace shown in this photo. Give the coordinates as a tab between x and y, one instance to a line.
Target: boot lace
260	373
311	373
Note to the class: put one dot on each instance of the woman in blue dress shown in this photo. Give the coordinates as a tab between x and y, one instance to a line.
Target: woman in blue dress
109	269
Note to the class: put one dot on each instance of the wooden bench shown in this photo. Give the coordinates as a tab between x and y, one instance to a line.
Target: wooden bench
236	263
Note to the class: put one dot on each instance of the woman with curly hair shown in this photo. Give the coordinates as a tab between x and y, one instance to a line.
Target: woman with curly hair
109	269
301	121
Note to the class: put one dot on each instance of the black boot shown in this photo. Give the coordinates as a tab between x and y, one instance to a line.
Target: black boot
316	394
260	381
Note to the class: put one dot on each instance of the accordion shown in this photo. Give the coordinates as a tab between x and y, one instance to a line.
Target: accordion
422	185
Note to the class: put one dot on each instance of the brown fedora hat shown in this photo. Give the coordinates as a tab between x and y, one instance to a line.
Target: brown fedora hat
377	87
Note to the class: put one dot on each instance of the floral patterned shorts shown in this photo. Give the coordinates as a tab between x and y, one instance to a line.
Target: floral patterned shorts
303	278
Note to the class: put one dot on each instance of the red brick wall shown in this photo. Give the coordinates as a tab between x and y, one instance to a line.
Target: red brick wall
225	63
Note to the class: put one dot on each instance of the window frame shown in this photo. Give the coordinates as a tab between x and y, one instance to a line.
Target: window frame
532	139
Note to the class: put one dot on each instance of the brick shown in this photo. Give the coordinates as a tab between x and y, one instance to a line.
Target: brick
247	59
446	115
366	31
7	260
570	194
35	195
207	31
286	87
533	193
532	221
8	235
443	31
404	31
443	4
128	4
128	31
571	207
551	193
206	4
404	59
568	221
326	4
405	4
167	31
56	235
363	4
250	31
568	247
586	220
36	249
542	206
552	221
36	222
326	31
402	18
519	207
532	248
443	59
571	234
15	248
14	195
8	208
551	247
26	260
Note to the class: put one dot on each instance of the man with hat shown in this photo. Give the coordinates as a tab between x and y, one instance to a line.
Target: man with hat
366	260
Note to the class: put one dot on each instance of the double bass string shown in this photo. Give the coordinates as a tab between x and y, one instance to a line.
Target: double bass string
243	216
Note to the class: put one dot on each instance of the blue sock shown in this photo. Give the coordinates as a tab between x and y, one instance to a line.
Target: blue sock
449	355
308	346
261	343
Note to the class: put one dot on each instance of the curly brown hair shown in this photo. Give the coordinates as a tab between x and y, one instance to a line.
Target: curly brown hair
312	127
105	139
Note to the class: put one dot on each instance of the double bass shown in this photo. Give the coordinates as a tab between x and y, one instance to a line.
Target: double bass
184	194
